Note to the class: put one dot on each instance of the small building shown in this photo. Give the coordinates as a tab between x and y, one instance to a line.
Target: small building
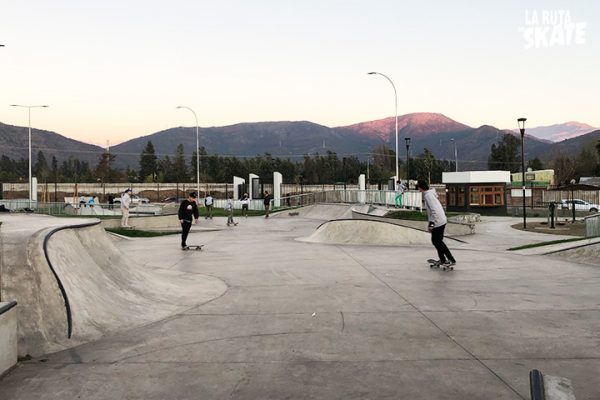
540	178
483	192
536	186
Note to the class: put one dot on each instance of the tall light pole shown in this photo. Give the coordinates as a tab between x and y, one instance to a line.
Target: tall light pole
455	156
407	141
396	113
29	113
197	152
521	122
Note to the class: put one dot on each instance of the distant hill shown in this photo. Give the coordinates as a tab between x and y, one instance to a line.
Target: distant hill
282	139
293	139
559	132
410	125
14	143
572	147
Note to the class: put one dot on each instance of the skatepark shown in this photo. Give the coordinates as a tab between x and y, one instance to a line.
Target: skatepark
325	302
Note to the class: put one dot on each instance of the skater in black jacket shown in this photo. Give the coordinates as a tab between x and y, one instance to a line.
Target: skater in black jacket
188	211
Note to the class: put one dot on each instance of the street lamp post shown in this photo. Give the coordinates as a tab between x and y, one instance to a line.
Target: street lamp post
521	122
455	156
29	115
407	141
197	152
396	113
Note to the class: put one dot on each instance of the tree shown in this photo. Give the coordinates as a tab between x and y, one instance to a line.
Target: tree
203	167
54	169
425	166
41	169
180	171
564	169
147	163
505	155
535	164
104	171
586	163
384	159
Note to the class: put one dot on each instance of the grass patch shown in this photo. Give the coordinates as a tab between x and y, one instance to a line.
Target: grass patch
540	244
139	233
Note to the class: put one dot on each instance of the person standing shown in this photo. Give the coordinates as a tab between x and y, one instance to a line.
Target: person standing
437	223
111	201
125	203
188	211
267	203
208	203
245	201
400	189
229	210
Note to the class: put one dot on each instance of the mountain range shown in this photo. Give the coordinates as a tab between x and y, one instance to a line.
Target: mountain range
293	139
560	132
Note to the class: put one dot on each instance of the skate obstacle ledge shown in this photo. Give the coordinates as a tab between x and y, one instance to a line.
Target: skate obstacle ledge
8	336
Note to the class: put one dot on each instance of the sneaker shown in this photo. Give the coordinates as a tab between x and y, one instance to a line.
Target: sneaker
449	264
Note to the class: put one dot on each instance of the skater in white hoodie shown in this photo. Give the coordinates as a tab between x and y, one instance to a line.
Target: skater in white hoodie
437	223
125	203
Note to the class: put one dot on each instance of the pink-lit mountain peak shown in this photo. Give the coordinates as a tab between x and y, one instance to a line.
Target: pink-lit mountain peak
559	132
414	124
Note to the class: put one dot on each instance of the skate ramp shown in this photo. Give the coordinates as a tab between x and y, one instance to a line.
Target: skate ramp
73	286
366	232
326	212
453	229
588	253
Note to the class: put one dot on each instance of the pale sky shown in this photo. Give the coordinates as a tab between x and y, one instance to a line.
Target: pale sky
114	70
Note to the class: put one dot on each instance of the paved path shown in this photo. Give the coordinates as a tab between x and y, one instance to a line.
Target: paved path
310	321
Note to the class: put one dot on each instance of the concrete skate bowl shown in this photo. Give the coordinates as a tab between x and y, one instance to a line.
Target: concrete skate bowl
366	232
73	286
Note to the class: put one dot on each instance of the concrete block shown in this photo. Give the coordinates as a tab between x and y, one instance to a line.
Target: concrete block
558	388
8	336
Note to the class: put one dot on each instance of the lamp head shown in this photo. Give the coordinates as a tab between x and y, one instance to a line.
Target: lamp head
407	141
521	122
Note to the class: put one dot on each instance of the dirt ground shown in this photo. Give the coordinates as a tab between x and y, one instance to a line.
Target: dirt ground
562	227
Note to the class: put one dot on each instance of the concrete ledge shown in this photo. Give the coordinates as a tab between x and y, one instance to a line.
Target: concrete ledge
452	228
163	221
8	336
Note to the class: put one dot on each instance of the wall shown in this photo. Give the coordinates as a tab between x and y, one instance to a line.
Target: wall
8	336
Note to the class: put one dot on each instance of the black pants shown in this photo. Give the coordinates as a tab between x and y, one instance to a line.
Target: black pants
437	238
185	229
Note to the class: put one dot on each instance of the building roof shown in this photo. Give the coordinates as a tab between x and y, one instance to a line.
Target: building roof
476	177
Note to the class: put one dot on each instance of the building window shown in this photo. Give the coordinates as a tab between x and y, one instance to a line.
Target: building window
460	197
486	196
451	196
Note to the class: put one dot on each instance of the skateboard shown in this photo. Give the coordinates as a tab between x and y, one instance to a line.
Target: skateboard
193	247
436	264
234	224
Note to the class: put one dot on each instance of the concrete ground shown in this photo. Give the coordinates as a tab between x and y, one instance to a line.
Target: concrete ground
311	321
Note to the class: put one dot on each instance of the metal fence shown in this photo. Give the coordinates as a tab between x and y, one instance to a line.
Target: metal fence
411	199
591	196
